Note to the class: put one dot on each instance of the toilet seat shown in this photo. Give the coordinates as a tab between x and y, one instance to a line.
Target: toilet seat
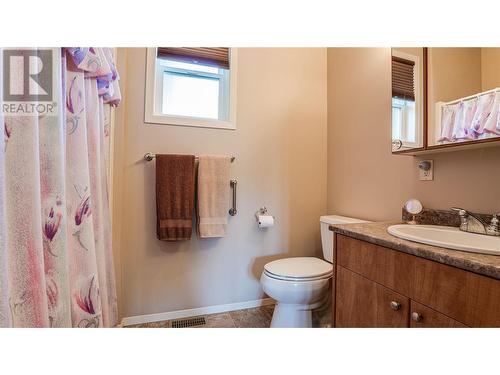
297	279
300	269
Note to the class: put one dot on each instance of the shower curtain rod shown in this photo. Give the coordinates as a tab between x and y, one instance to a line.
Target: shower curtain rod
472	96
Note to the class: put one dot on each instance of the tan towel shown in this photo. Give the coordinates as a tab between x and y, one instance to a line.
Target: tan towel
213	195
175	181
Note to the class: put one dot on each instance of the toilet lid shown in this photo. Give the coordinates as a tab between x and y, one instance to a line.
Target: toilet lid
299	268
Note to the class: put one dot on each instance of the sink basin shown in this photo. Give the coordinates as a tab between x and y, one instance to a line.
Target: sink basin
448	237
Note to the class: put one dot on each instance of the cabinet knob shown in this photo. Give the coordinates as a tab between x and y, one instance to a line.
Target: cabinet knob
395	305
416	317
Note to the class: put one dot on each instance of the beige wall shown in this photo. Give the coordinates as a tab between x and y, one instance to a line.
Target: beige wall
490	68
280	149
453	73
364	179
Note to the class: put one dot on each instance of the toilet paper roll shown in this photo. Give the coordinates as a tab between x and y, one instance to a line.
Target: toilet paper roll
265	221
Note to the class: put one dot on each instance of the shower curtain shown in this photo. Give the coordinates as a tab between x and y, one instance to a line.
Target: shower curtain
56	265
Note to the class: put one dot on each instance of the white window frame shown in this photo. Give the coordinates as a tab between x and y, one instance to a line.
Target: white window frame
154	90
419	101
403	125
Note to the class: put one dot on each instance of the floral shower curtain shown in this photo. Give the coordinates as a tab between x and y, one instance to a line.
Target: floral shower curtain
56	266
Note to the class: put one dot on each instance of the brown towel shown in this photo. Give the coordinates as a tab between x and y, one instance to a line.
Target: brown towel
213	195
175	180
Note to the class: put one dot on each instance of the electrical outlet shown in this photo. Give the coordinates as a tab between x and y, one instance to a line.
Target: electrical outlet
426	170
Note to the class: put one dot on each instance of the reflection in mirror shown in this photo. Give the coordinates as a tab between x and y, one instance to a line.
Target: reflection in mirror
407	98
463	101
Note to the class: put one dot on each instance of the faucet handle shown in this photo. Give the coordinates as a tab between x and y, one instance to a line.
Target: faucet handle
494	227
460	211
494	220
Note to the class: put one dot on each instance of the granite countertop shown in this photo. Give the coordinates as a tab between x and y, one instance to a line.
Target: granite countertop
376	233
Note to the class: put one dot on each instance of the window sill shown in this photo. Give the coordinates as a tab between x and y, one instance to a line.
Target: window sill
189	121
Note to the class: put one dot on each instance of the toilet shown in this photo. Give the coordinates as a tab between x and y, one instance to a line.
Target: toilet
301	284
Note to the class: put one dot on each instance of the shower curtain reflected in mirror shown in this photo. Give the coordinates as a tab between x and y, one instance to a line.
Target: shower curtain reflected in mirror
56	266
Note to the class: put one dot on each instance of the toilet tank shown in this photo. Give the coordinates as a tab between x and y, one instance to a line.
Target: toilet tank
327	234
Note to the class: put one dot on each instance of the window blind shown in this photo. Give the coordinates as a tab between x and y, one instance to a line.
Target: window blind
403	78
212	56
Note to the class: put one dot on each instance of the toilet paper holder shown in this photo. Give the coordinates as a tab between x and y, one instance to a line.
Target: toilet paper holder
261	211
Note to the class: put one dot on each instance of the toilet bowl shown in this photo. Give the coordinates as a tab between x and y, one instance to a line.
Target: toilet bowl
301	284
297	292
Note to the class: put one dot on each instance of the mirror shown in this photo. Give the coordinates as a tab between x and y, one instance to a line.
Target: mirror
414	206
408	90
463	103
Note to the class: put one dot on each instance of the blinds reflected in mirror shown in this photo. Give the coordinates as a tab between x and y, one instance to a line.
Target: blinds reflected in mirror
403	79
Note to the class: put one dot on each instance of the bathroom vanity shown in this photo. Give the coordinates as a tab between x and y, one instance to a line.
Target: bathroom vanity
384	281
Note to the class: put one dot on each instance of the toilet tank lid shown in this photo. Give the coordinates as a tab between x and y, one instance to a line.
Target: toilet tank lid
337	219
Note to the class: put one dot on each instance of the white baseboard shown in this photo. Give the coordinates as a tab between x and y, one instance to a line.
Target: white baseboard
178	314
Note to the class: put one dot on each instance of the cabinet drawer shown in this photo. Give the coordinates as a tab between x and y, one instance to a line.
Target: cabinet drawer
425	317
363	303
390	268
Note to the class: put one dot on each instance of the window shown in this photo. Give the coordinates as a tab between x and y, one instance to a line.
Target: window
406	101
191	87
403	120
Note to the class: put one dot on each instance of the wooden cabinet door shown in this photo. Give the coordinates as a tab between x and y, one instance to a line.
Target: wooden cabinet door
361	302
425	317
462	295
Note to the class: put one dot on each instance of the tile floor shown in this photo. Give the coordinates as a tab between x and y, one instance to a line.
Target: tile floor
259	317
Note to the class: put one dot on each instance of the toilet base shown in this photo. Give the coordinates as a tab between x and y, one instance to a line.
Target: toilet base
292	316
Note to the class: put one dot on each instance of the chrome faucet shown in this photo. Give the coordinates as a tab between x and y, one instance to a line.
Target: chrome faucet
474	224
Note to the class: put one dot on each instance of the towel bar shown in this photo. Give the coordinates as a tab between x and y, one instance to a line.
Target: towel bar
149	156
